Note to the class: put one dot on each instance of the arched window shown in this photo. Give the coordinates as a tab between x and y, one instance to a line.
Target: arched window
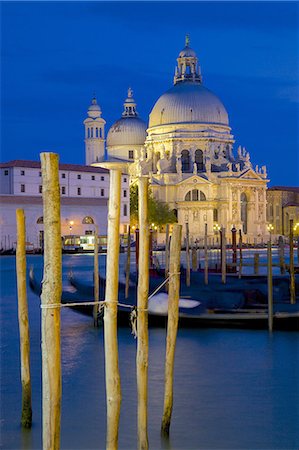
215	215
202	197
97	132
199	160
88	132
40	220
185	161
87	220
194	196
100	132
244	205
91	132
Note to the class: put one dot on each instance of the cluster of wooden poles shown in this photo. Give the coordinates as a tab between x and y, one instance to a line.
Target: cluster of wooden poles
51	305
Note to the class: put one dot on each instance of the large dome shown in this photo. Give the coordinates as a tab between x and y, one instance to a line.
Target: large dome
127	131
188	102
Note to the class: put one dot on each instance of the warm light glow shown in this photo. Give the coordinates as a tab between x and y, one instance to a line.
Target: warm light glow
270	227
71	222
216	227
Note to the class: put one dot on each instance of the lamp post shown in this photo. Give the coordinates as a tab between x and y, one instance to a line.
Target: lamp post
71	226
270	228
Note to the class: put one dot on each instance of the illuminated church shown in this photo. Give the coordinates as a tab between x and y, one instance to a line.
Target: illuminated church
187	151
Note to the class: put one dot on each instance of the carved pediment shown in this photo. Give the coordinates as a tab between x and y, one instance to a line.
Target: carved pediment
194	180
250	174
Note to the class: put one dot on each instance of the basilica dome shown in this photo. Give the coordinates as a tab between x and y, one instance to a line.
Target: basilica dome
188	102
129	129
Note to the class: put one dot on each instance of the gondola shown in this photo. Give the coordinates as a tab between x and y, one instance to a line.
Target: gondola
204	313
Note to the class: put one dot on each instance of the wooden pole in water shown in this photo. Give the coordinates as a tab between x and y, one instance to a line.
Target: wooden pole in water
51	295
241	256
167	251
113	389
187	256
128	263
256	263
270	287
137	248
223	255
172	325
292	271
96	276
194	259
281	255
234	248
206	255
26	419
167	239
142	316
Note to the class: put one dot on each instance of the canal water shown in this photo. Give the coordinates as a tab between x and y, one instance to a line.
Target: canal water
234	389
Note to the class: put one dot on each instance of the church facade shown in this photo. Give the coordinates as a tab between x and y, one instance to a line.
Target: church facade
187	151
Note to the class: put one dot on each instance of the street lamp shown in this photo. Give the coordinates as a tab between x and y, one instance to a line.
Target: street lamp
71	225
270	228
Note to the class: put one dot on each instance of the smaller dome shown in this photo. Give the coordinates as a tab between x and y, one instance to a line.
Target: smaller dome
94	111
127	131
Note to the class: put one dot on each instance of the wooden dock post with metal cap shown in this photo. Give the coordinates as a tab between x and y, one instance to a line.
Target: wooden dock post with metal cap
51	298
142	315
223	255
172	325
26	420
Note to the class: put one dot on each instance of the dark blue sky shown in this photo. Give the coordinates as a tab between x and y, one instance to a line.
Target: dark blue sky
56	54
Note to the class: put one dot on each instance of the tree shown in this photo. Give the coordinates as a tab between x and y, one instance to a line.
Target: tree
158	212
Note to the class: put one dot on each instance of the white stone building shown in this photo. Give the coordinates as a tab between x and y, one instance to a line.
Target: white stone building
84	198
187	152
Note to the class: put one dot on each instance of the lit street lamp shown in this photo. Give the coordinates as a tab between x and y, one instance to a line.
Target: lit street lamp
270	228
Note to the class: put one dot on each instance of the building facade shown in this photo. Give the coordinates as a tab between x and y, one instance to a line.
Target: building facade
84	199
283	206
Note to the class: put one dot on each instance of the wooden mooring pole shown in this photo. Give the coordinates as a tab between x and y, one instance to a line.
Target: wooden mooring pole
256	261
172	325
194	259
96	276
167	251
187	256
206	255
292	270
142	314
270	286
128	263
223	255
167	243
241	256
113	389
281	255
51	295
26	420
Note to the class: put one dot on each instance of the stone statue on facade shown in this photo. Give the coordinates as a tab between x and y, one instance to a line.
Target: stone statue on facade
179	165
194	168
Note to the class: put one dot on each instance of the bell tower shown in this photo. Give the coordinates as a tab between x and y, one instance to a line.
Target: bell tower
94	134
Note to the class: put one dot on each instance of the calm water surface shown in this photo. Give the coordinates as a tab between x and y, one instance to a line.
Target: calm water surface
233	389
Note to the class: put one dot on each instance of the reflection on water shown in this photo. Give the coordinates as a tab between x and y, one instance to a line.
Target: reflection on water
233	389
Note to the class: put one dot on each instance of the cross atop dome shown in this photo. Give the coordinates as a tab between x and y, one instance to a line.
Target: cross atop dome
187	68
130	105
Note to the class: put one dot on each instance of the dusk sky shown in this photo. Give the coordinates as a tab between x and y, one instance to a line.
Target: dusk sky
55	55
